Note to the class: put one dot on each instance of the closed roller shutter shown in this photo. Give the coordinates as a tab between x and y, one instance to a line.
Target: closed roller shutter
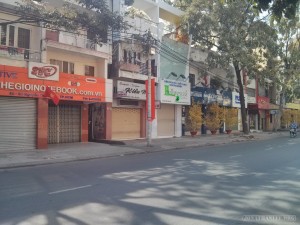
126	123
64	124
166	121
17	123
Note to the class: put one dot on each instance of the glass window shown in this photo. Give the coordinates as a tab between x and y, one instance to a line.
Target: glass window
65	67
11	39
3	34
23	38
89	71
71	69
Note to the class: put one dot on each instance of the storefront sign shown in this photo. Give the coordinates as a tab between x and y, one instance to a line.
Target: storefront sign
292	106
251	100
69	86
236	102
206	95
43	71
175	92
263	102
274	111
131	90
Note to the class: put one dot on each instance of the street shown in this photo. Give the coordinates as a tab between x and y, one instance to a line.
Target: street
242	183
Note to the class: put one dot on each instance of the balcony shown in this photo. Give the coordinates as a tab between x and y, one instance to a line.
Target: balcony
71	42
20	54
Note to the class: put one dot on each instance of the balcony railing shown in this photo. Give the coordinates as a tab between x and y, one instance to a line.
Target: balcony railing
75	40
19	53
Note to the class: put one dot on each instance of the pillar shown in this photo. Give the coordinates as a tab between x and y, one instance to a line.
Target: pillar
84	123
42	123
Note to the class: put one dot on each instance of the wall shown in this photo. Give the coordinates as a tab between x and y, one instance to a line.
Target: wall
80	61
168	64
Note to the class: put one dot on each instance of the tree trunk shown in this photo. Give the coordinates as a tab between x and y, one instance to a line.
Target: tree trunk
242	97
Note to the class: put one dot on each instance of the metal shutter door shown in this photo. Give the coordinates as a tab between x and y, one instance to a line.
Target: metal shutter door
166	120
126	123
64	124
17	123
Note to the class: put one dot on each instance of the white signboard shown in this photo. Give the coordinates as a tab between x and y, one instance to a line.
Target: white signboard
43	71
251	99
131	90
236	100
175	92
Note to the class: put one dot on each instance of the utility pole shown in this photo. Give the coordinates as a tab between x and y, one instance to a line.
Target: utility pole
149	121
150	51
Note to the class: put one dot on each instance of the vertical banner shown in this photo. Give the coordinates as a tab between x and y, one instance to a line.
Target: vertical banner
152	99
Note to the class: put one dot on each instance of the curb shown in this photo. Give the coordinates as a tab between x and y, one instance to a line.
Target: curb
140	150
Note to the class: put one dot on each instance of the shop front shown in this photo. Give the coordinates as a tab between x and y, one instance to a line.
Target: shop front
206	96
128	111
172	96
252	113
262	110
236	103
53	105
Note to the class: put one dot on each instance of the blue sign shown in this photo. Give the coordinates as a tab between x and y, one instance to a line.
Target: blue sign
206	95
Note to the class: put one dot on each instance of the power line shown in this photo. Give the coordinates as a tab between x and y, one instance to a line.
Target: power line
163	48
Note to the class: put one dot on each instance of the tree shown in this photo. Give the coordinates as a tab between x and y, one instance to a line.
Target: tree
235	36
231	118
194	117
279	8
289	58
93	16
214	117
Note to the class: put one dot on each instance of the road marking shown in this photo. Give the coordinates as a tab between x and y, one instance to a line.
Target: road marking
235	156
70	189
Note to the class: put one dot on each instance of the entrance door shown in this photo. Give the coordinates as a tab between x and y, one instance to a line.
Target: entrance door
166	120
64	124
126	123
17	123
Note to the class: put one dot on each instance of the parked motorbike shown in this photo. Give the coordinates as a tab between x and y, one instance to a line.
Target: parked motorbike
293	132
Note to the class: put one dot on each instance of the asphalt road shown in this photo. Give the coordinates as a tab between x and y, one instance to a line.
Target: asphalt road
243	183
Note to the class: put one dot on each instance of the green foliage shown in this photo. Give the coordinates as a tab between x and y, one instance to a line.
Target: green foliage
289	57
279	8
214	116
194	117
231	118
235	36
92	15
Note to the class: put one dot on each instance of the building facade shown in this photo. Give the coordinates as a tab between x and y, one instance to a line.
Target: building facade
75	70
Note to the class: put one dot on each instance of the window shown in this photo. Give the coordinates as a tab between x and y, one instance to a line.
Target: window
89	71
11	38
23	38
3	34
125	56
8	36
64	66
192	80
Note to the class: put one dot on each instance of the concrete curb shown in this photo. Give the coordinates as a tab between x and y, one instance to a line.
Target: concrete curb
135	150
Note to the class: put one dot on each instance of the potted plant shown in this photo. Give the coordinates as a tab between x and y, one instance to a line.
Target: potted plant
213	118
231	119
194	118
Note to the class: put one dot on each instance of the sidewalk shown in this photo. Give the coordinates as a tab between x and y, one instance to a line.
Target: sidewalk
85	151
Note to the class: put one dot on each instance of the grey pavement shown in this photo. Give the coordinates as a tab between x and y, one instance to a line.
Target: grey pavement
84	151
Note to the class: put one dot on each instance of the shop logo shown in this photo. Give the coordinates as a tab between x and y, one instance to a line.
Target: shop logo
44	71
5	74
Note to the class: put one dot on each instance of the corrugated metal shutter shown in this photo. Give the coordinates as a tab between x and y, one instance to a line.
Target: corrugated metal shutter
126	123
17	123
166	121
64	124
